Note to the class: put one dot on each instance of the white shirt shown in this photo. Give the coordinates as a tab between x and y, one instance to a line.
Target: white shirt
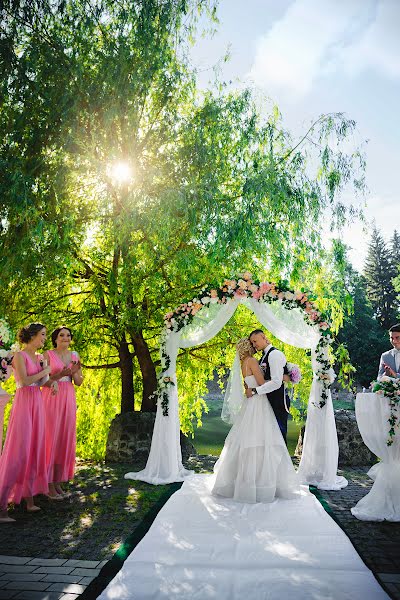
276	360
396	358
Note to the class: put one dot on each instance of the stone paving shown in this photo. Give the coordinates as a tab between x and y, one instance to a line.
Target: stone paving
29	578
25	578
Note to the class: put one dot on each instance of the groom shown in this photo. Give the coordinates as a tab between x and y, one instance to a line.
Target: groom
273	364
390	360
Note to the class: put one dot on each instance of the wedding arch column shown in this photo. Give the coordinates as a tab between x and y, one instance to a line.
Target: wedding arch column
164	464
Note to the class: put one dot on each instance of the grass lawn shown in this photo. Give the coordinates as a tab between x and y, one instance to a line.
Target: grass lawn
210	438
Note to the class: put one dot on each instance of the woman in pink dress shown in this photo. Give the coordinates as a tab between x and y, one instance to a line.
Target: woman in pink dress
60	411
23	472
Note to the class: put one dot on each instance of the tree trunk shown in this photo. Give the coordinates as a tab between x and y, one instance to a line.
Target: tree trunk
148	372
126	366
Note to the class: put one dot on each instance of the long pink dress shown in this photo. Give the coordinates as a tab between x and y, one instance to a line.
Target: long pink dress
60	411
23	469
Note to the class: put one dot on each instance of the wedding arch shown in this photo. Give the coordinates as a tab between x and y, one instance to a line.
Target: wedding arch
293	318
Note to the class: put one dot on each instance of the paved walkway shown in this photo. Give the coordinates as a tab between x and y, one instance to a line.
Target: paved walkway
24	578
27	578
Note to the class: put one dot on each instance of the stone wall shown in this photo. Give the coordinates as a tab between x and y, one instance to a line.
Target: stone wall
129	438
352	450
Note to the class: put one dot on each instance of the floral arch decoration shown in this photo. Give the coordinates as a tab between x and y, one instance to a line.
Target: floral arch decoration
289	315
239	289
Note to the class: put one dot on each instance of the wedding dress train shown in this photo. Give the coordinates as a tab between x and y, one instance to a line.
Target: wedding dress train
255	465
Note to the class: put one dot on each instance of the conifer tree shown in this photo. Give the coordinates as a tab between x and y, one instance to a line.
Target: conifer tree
379	273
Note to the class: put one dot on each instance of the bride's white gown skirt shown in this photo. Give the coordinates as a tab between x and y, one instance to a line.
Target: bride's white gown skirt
255	465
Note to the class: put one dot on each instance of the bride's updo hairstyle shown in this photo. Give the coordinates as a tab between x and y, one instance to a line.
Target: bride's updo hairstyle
25	334
245	348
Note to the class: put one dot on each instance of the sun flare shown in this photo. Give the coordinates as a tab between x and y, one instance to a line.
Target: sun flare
120	172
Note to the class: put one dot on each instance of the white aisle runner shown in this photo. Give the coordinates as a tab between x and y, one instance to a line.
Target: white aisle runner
201	547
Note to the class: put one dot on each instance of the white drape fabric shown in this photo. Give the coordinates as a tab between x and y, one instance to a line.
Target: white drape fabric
205	548
164	464
383	500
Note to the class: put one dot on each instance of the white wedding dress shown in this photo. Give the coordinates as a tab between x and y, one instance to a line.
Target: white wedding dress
255	465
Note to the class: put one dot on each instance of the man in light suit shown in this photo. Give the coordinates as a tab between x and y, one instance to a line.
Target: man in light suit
390	361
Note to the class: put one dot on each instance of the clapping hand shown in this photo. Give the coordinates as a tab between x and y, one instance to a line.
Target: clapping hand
65	372
389	371
75	367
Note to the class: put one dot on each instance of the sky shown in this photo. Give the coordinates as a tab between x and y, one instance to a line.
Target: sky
319	56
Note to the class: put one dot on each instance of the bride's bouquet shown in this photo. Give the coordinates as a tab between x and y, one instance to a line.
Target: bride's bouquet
294	372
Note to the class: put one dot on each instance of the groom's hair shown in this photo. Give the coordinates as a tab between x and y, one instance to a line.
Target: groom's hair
256	331
393	328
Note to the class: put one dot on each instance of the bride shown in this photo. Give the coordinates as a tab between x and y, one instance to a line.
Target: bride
254	465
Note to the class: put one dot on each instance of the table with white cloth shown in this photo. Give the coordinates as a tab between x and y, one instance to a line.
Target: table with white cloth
383	500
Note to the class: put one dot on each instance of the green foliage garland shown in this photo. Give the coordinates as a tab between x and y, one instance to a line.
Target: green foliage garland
390	388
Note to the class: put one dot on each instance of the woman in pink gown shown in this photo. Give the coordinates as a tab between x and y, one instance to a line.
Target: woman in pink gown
23	472
60	411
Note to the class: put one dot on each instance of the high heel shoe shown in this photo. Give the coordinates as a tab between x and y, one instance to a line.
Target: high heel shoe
7	520
33	509
55	497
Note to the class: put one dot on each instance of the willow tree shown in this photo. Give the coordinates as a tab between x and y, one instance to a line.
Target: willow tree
126	190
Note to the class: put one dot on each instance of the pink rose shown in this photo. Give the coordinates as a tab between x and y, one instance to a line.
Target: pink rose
240	293
281	295
257	294
265	287
214	294
253	287
247	276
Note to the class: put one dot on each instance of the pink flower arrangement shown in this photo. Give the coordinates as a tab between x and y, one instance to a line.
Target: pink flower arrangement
244	287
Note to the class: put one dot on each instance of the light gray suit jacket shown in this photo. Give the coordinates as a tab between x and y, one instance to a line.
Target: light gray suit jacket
388	359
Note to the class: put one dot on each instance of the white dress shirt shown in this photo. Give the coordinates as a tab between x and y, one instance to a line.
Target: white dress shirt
276	360
396	359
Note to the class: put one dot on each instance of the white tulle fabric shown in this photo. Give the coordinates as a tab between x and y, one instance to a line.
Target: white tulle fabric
164	464
234	393
255	465
383	501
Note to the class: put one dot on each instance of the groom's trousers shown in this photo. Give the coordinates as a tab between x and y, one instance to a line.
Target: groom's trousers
276	399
